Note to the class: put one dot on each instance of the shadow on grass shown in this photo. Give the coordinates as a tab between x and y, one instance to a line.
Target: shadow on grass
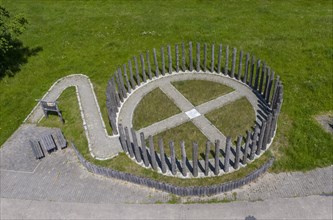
15	57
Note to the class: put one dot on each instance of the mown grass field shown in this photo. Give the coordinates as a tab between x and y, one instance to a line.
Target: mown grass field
94	37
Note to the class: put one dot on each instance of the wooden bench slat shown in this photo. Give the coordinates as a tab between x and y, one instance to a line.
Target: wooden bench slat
59	139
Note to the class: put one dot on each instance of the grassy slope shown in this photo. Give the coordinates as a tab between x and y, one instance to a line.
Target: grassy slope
154	107
201	91
90	37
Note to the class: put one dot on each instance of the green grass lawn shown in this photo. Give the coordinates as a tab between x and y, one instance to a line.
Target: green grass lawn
154	107
234	118
293	37
201	91
187	132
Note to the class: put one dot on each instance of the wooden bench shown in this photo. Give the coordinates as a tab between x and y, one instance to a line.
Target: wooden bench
37	150
59	138
47	143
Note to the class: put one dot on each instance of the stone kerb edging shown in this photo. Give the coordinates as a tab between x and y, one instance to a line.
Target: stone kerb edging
177	190
256	75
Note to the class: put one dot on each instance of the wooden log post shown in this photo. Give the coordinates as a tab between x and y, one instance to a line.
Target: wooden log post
195	159
169	59
205	58
227	155
246	148
263	73
129	143
183	58
240	65
207	158
136	146
144	149
219	59
198	57
144	77
177	57
190	57
152	152
138	80
261	137
256	80
120	92
246	70
173	157
126	79
131	74
267	132
268	76
273	124
149	65
116	95
233	66
122	84
162	155
252	71
212	64
254	142
275	92
226	66
238	149
163	61
122	137
269	89
217	159
183	151
156	63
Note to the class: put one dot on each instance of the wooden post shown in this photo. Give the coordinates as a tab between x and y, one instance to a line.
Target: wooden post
144	77
226	60
267	131
198	57
240	65
195	159
163	61
190	56
227	155
252	71
169	59
270	84
212	64
238	149
246	70
263	71
184	169
183	58
122	137
254	142
144	149
156	63
126	79
268	77
261	137
129	143
136	146
256	81
217	159
173	157
122	84
275	91
149	66
233	66
131	74
120	92
246	148
205	58
152	153
219	59
207	158
138	81
177	58
162	156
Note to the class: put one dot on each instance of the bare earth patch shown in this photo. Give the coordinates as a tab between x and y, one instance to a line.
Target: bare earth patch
326	121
